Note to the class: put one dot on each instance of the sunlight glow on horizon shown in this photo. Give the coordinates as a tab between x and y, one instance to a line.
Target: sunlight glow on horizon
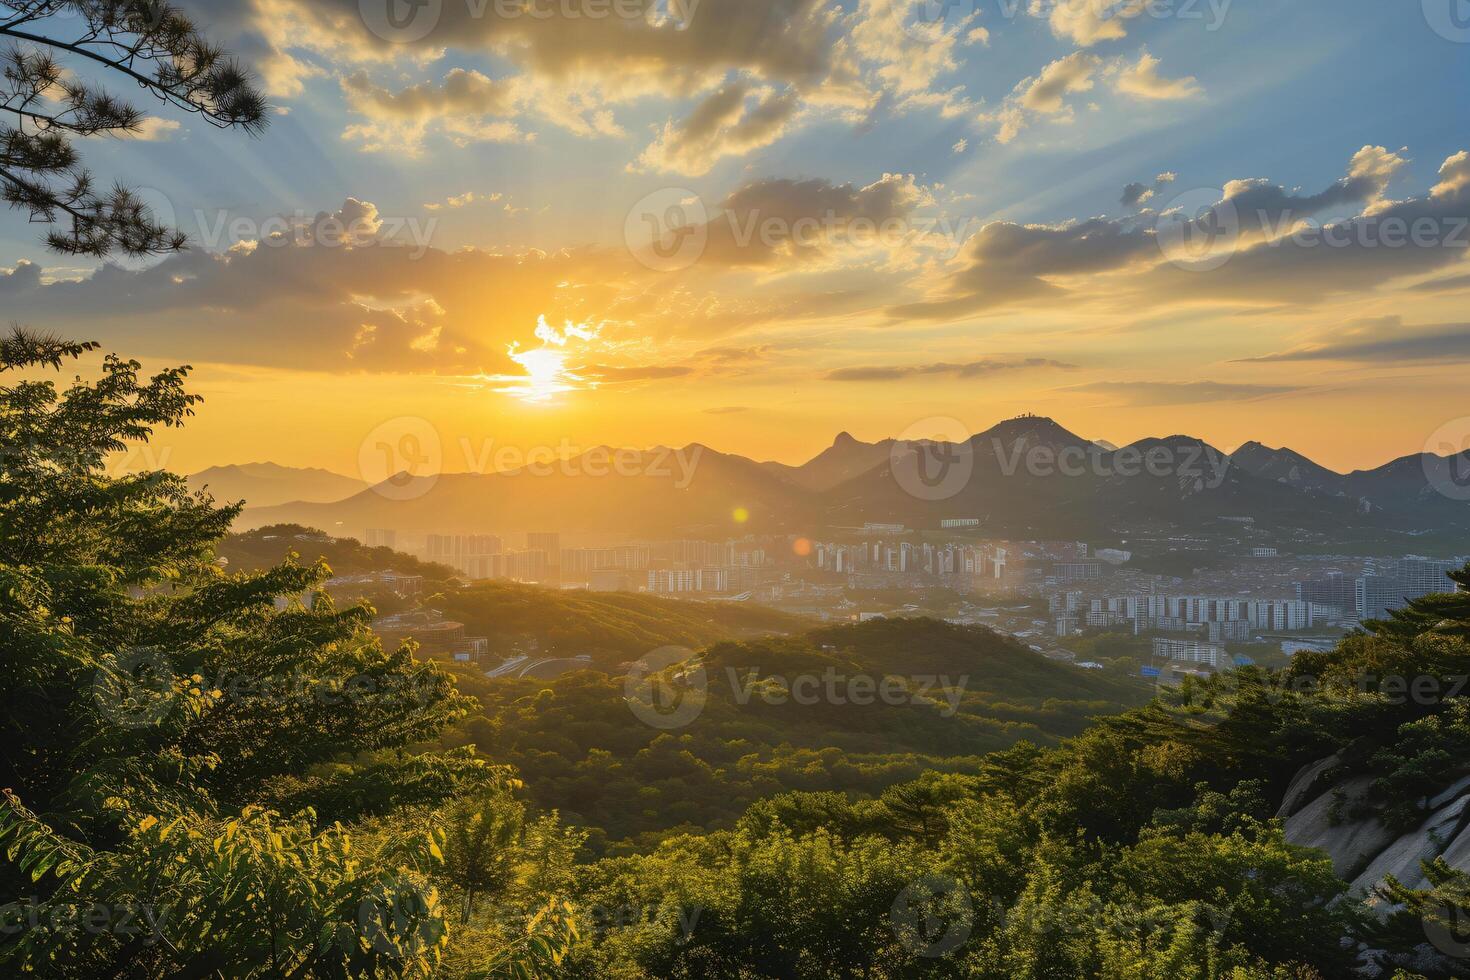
547	374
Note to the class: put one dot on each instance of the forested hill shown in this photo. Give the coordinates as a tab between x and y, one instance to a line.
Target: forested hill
267	547
806	712
610	627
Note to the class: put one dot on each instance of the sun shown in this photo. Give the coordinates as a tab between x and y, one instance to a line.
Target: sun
546	372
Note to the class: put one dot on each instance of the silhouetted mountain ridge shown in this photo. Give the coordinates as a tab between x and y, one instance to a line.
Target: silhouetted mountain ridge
1024	477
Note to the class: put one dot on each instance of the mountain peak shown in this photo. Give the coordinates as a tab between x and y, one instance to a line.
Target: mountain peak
1037	427
844	438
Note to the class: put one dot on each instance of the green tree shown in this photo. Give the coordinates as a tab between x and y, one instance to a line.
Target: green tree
161	714
47	103
483	836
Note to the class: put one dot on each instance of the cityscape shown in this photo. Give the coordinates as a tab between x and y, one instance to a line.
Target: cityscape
1044	593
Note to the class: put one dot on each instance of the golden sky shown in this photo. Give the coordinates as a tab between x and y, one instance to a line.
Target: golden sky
756	223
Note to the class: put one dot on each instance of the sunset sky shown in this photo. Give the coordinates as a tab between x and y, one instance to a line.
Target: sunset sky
756	223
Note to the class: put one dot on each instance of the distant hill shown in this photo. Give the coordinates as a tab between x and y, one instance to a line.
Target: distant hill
759	733
610	627
1027	477
266	547
1289	467
691	491
1400	492
266	484
843	460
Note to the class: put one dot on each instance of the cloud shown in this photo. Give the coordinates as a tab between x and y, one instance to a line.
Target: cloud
1088	22
732	121
809	59
1135	194
1139	193
727	410
464	200
972	369
1044	93
154	129
1063	77
782	220
1282	257
333	293
1142	81
1276	253
1442	343
1442	285
1454	176
912	50
466	106
1156	393
724	356
605	374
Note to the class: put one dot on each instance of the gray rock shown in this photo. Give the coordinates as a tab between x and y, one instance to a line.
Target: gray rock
1300	790
1352	845
1459	789
1457	853
1401	858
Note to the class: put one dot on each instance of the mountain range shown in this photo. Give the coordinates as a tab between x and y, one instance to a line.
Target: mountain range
268	484
1027	477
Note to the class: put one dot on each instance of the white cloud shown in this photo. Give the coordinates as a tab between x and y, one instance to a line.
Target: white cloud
732	121
1142	80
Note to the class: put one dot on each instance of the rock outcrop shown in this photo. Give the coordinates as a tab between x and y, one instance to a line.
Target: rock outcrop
1319	812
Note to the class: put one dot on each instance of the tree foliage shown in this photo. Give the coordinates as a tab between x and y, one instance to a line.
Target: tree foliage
188	750
62	57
